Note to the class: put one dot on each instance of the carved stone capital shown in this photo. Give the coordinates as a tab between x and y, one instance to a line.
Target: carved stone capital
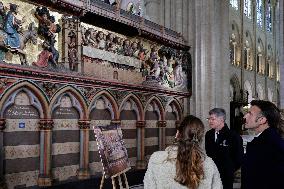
161	123
115	121
2	124
84	124
46	124
140	124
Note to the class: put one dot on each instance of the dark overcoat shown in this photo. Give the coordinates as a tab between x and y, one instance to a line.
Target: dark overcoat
227	153
263	164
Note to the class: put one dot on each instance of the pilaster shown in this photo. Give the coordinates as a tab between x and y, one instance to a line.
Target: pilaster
45	126
84	126
2	127
140	127
162	134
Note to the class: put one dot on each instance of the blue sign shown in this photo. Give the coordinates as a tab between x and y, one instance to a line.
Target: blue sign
22	125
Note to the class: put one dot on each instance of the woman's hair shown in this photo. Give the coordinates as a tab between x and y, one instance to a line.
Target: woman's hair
190	157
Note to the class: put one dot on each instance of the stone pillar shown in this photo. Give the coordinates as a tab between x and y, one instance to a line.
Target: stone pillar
280	41
210	49
2	127
141	163
83	172
45	126
162	134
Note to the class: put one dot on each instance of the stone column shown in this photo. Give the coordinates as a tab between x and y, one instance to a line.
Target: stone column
45	126
162	134
210	50
141	163
2	127
280	41
83	172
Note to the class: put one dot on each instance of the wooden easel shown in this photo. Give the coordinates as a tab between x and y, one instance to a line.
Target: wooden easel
119	180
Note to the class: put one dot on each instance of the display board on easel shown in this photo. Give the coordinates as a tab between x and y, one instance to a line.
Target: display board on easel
113	153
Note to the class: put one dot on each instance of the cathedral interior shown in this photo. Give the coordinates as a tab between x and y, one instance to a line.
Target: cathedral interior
67	66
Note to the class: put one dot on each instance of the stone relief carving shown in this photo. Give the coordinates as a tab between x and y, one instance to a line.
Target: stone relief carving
47	30
81	44
13	38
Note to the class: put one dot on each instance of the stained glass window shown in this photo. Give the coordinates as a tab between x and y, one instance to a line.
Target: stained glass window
247	8
268	17
234	4
259	12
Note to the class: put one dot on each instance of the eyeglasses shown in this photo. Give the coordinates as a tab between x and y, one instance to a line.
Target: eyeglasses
211	119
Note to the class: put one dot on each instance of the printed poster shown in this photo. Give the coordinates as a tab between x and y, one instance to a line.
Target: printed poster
112	149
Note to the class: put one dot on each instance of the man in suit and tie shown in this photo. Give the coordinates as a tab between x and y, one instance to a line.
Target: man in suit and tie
224	146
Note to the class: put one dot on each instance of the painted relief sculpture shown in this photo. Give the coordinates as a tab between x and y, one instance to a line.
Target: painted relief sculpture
47	30
12	36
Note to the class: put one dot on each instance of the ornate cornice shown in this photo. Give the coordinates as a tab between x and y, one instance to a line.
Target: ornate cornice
79	79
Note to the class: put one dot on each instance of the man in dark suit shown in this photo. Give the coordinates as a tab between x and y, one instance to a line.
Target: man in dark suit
263	165
224	146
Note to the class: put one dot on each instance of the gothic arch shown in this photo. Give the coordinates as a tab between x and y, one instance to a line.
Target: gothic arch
234	81
176	107
235	30
159	107
249	89
30	88
260	92
139	109
112	106
78	100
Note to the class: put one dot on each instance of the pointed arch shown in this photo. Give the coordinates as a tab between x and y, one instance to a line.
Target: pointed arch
260	92
28	87
248	87
159	107
70	90
105	94
139	110
176	107
234	81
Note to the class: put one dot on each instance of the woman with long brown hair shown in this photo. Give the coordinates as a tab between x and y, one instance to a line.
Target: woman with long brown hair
184	164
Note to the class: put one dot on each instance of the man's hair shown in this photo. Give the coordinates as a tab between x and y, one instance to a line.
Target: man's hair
219	112
269	111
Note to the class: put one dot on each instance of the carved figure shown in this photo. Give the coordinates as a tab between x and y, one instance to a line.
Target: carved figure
127	48
11	26
118	45
101	40
45	57
47	29
72	52
88	39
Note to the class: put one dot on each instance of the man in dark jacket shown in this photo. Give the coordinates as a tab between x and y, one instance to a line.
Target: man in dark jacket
263	165
224	146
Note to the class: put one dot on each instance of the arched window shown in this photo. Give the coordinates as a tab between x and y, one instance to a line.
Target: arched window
247	8
259	13
234	4
233	44
268	17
